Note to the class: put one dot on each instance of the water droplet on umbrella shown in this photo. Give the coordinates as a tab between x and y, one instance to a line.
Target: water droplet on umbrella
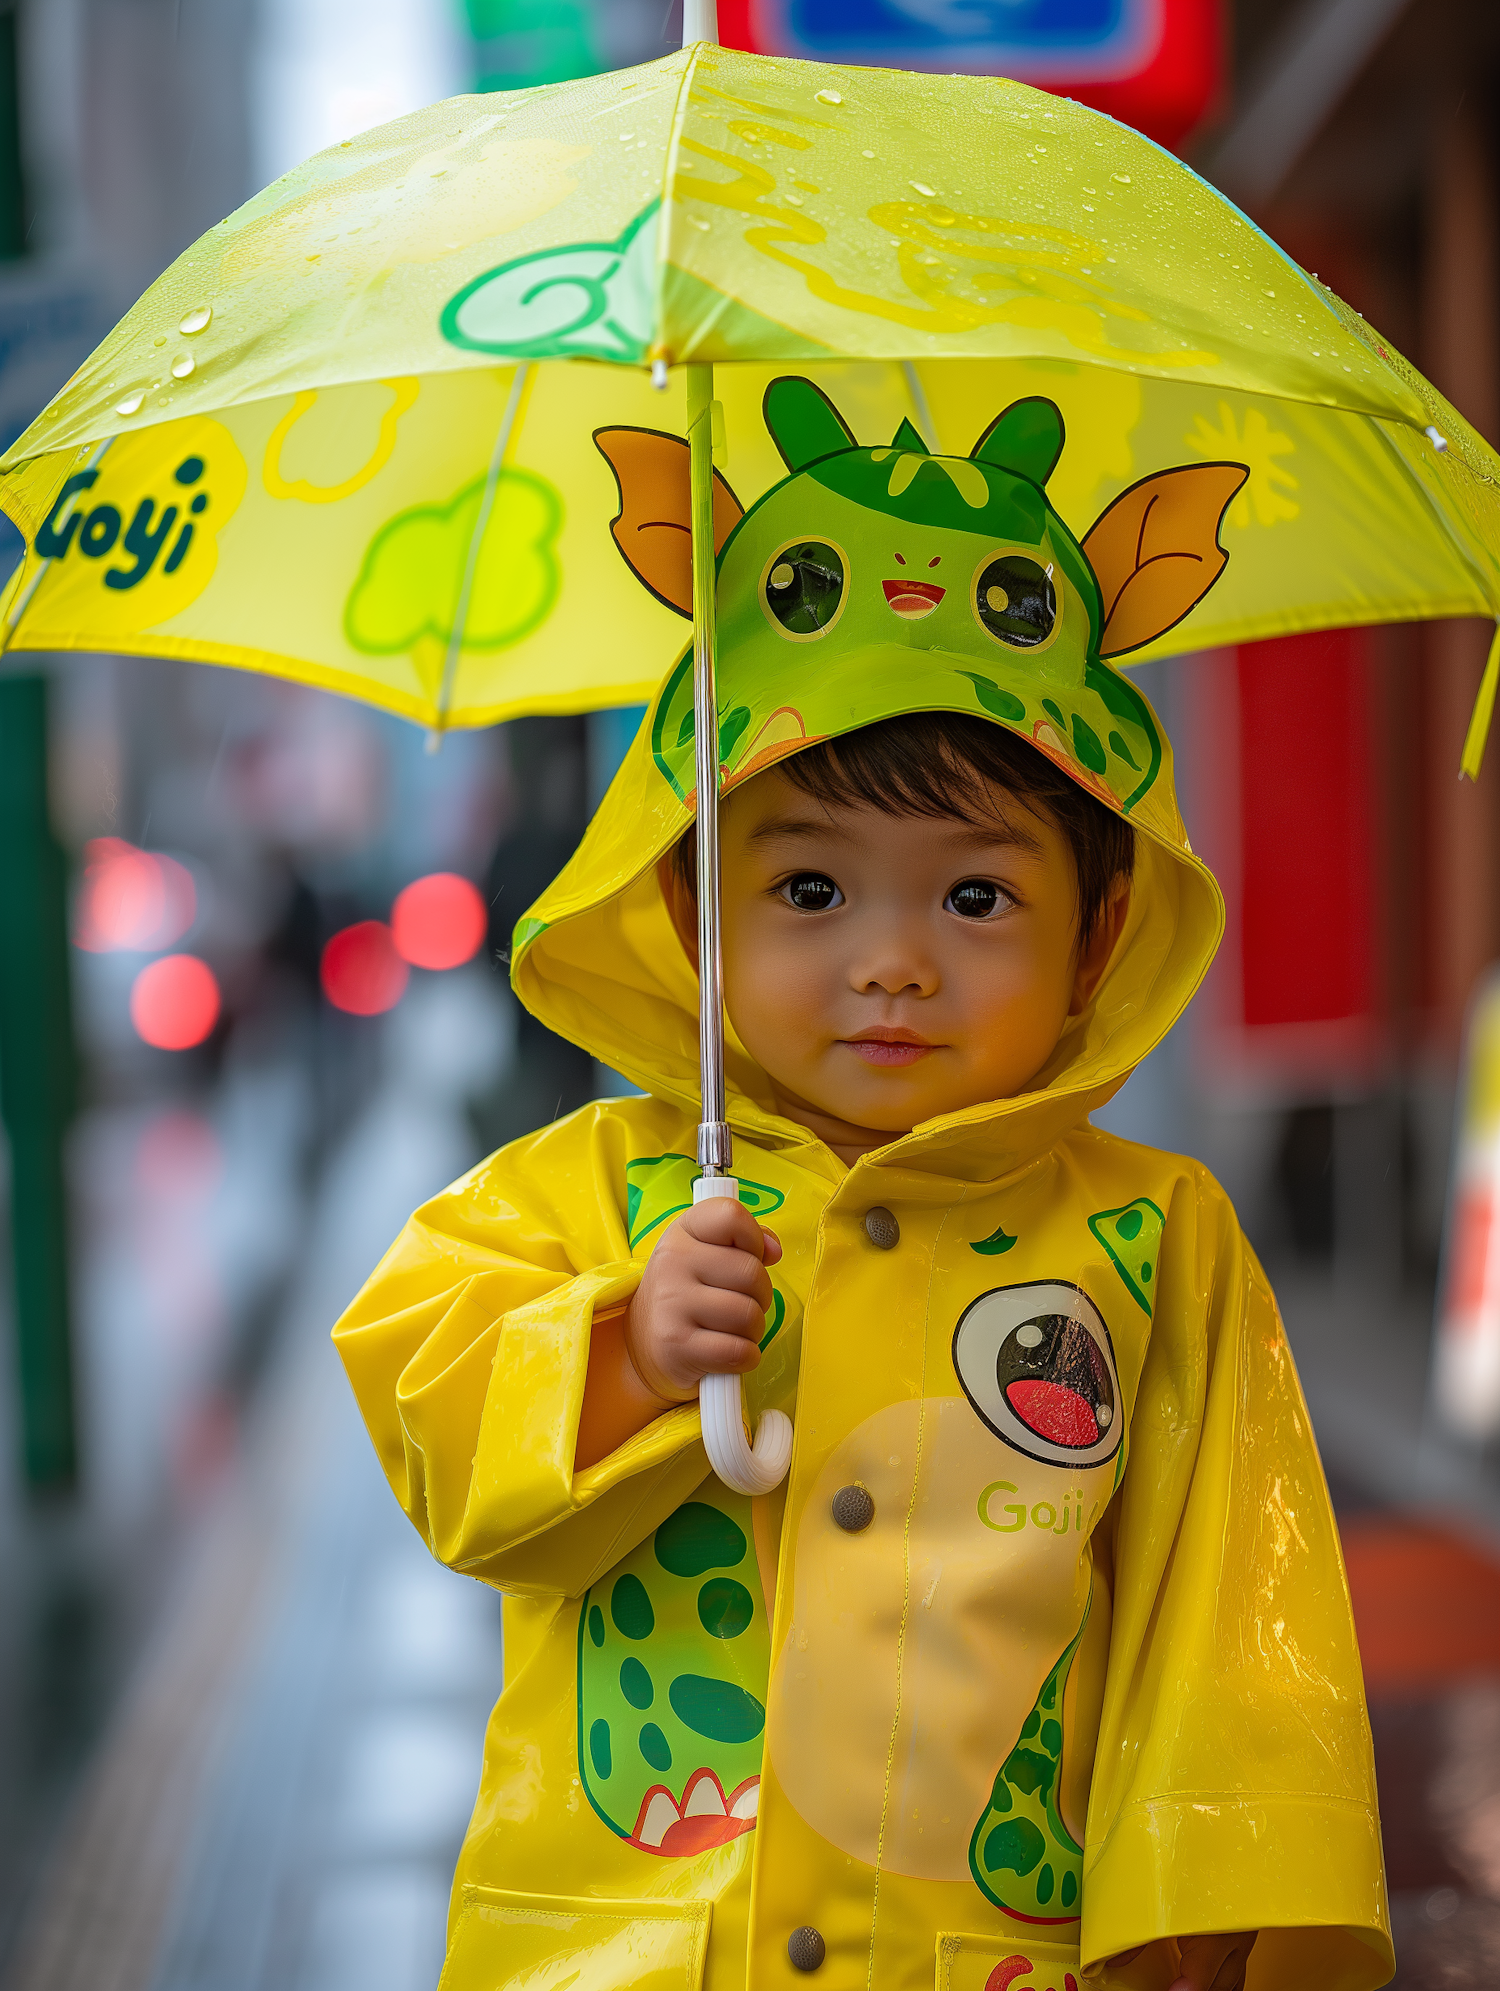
1120	179
1270	293
828	97
867	155
626	136
198	320
795	200
160	340
929	192
131	403
182	366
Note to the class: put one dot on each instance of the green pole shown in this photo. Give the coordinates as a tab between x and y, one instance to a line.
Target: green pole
36	1083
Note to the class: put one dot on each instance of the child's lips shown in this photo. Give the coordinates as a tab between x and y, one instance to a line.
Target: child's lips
899	1047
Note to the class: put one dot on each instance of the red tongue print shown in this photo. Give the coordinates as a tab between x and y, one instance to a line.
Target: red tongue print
912	598
1054	1411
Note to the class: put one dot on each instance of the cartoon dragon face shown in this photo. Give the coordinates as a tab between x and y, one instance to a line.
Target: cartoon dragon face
873	581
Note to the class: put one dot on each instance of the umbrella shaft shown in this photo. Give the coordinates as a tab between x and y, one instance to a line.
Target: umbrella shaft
714	1152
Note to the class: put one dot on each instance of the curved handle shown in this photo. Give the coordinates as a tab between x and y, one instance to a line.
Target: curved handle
742	1467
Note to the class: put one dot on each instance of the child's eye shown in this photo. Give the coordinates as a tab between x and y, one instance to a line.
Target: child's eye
812	892
805	586
975	898
1015	600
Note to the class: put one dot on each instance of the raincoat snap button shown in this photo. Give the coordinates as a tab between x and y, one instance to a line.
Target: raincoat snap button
806	1948
881	1228
853	1509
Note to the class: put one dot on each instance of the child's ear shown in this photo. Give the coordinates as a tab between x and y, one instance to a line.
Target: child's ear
682	908
1155	551
653	527
1092	961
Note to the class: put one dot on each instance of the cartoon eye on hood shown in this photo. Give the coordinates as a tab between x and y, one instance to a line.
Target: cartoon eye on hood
1036	1363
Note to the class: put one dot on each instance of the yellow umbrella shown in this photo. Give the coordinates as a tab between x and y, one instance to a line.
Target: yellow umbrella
348	436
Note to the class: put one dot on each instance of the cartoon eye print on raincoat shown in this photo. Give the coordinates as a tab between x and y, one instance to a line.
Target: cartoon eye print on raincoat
1037	1364
862	555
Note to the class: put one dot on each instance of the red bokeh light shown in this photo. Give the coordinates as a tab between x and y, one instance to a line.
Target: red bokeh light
174	1003
132	898
361	971
439	921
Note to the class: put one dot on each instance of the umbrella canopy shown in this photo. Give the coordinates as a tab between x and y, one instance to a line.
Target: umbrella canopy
346	437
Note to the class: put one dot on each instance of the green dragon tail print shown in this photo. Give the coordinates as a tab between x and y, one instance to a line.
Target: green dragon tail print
1022	1855
673	1653
921	582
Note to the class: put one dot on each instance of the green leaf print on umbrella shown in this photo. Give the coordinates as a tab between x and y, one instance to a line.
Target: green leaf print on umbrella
1132	1237
1022	1855
677	1631
411	580
582	300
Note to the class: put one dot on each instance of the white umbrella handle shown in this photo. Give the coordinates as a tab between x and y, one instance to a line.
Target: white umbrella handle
743	1468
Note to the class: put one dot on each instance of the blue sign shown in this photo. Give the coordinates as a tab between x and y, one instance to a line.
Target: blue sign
1062	40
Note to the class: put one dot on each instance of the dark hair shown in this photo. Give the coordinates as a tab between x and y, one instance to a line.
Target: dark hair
948	764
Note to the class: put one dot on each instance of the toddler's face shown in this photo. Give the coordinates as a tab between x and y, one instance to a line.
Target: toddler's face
884	970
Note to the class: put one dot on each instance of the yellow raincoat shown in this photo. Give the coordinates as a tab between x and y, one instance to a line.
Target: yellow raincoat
1043	1651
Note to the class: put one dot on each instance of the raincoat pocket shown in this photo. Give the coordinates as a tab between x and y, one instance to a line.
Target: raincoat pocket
1010	1963
502	1939
1004	1963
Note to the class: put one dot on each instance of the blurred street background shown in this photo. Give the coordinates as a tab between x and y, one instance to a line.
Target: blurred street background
240	1709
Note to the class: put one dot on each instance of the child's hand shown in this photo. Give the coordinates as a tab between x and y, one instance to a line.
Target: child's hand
1214	1963
701	1305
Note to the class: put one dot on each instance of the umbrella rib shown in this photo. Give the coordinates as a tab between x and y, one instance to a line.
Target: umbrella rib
518	387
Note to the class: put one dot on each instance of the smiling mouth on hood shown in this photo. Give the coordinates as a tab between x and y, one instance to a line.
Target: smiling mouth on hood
704	1818
912	599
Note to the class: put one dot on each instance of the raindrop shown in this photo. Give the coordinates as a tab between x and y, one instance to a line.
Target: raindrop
828	97
626	136
182	366
1120	179
196	321
131	404
929	192
867	155
1270	293
161	340
794	200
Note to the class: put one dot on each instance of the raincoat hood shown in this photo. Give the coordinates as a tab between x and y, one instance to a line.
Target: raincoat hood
870	583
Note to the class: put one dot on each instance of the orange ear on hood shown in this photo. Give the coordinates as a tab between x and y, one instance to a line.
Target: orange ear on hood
1155	551
653	527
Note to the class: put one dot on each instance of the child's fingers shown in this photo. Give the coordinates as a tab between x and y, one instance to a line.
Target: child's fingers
724	1269
723	1311
723	1221
772	1246
1214	1963
710	1354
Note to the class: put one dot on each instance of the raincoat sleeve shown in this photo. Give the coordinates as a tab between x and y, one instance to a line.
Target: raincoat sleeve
1234	1783
468	1349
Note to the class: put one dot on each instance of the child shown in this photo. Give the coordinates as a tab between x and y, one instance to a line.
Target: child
1039	1665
